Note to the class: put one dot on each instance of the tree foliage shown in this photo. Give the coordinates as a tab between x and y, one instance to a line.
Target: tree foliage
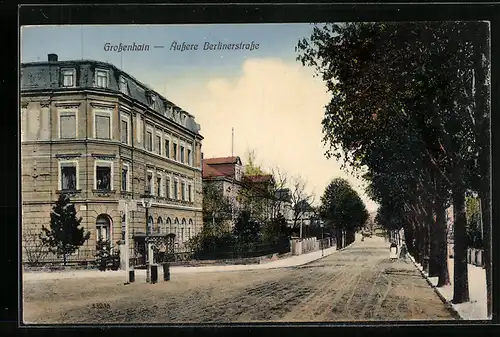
64	237
410	106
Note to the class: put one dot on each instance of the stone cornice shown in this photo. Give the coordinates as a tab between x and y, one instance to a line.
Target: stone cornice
103	156
73	104
103	105
67	155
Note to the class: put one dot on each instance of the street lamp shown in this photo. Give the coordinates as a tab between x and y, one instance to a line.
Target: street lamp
147	200
322	239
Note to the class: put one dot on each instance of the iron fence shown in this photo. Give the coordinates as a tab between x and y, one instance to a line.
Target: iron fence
241	252
40	256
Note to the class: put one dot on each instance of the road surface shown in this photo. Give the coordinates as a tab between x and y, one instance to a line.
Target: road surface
359	283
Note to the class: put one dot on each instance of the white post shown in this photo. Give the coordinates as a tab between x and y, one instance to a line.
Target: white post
127	259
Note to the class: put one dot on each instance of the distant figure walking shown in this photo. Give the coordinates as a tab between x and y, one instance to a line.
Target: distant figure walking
393	251
403	253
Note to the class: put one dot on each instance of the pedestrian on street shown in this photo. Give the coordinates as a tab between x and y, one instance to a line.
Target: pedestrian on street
403	253
393	251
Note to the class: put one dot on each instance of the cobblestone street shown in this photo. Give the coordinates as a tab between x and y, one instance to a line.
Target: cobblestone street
357	284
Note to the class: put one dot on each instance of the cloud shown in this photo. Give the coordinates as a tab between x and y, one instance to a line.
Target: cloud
275	108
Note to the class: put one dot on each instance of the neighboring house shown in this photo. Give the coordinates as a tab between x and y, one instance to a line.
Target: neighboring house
284	203
96	133
226	174
258	195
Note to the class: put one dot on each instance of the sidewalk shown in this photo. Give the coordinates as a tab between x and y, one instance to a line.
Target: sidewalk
177	270
475	309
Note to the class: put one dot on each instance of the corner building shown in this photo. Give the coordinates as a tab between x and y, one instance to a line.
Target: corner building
94	132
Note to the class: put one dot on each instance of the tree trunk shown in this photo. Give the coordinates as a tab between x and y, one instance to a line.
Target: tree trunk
442	244
338	237
64	259
434	246
460	274
483	133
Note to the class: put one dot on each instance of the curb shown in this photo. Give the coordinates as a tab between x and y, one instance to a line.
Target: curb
447	303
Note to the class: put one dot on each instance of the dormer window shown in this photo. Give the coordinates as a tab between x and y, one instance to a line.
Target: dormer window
152	100
123	85
101	79
68	78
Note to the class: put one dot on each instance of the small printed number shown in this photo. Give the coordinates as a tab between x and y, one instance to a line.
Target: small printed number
100	305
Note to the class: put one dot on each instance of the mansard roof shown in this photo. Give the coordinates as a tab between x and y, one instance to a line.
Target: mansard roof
47	76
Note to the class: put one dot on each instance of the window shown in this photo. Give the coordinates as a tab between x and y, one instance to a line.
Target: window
124	130
167	187
153	101
182	234
190	191
175	151
103	177
68	176
158	144
67	125
176	190
102	227
190	157
189	233
102	125
158	185
149	183
123	85
149	141
182	154
167	148
125	178
183	190
101	79
68	78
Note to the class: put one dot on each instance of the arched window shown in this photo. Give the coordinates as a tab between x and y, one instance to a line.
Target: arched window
168	225
183	229
177	229
190	229
161	229
102	227
150	224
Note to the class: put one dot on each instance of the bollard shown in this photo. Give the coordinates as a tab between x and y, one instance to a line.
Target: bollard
154	274
166	272
131	276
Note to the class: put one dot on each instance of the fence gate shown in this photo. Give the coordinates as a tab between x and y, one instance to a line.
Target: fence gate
163	247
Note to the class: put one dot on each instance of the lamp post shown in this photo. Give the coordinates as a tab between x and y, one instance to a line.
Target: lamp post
322	241
147	200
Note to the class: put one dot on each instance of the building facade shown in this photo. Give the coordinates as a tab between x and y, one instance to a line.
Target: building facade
95	133
226	174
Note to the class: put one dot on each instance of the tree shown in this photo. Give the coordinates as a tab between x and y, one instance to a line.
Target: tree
35	249
300	199
247	230
342	208
430	78
217	208
64	237
251	167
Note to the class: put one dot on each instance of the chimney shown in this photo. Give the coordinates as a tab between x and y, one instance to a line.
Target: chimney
52	57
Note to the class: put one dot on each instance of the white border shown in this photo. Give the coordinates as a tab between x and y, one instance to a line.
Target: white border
126	118
66	111
127	166
152	187
73	75
67	161
95	77
149	129
160	152
104	163
102	112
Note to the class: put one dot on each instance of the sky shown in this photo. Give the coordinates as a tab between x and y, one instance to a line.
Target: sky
274	104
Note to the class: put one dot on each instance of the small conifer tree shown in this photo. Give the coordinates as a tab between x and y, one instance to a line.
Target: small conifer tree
64	237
